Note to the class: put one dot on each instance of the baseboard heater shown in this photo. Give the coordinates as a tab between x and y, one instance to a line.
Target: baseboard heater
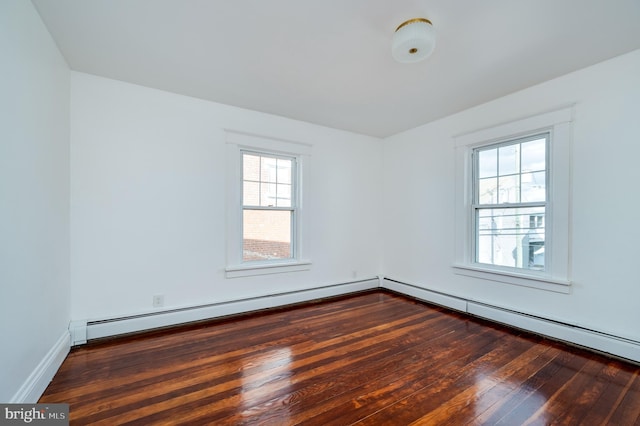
566	332
82	331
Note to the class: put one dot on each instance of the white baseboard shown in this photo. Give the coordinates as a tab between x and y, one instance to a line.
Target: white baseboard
610	344
436	298
596	340
41	376
81	331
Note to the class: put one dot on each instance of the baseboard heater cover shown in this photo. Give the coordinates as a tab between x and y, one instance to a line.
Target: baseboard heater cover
82	331
570	333
435	297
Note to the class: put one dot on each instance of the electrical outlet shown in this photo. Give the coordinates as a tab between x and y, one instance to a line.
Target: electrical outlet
158	300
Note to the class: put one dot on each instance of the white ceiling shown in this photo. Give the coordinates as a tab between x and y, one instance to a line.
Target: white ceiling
329	61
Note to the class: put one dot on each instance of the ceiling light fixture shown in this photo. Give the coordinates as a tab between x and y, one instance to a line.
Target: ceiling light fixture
413	41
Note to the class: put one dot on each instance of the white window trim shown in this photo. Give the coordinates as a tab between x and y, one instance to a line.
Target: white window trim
236	142
557	274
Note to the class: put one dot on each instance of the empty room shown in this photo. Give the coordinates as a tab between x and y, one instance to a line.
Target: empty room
320	212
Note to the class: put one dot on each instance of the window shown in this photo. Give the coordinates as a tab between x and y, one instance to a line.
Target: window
268	207
512	202
266	226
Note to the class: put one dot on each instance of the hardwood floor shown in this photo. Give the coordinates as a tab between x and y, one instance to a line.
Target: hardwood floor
373	358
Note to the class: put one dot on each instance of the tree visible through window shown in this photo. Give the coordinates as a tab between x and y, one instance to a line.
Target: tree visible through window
268	206
510	202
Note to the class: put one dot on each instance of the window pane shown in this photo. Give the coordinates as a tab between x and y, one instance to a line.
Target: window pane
250	167
511	237
284	195
284	170
488	163
508	189
486	251
268	171
268	194
534	187
534	155
251	194
266	235
488	191
509	160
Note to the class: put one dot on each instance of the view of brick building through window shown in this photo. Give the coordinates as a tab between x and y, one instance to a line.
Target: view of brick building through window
267	235
268	206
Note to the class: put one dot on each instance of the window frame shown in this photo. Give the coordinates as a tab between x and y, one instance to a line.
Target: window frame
293	208
556	275
237	143
476	206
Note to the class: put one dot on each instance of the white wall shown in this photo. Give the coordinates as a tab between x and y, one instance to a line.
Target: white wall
34	194
419	200
148	190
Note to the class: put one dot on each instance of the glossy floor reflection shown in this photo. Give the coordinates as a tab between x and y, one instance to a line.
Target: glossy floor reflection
264	375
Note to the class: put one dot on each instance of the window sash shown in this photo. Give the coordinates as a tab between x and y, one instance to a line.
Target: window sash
522	238
292	183
269	248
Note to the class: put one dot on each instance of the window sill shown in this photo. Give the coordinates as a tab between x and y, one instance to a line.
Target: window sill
249	270
515	278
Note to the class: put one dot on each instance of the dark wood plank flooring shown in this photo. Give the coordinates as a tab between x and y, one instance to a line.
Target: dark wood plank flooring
373	358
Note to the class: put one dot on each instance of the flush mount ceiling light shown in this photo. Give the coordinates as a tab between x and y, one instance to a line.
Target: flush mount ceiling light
413	41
